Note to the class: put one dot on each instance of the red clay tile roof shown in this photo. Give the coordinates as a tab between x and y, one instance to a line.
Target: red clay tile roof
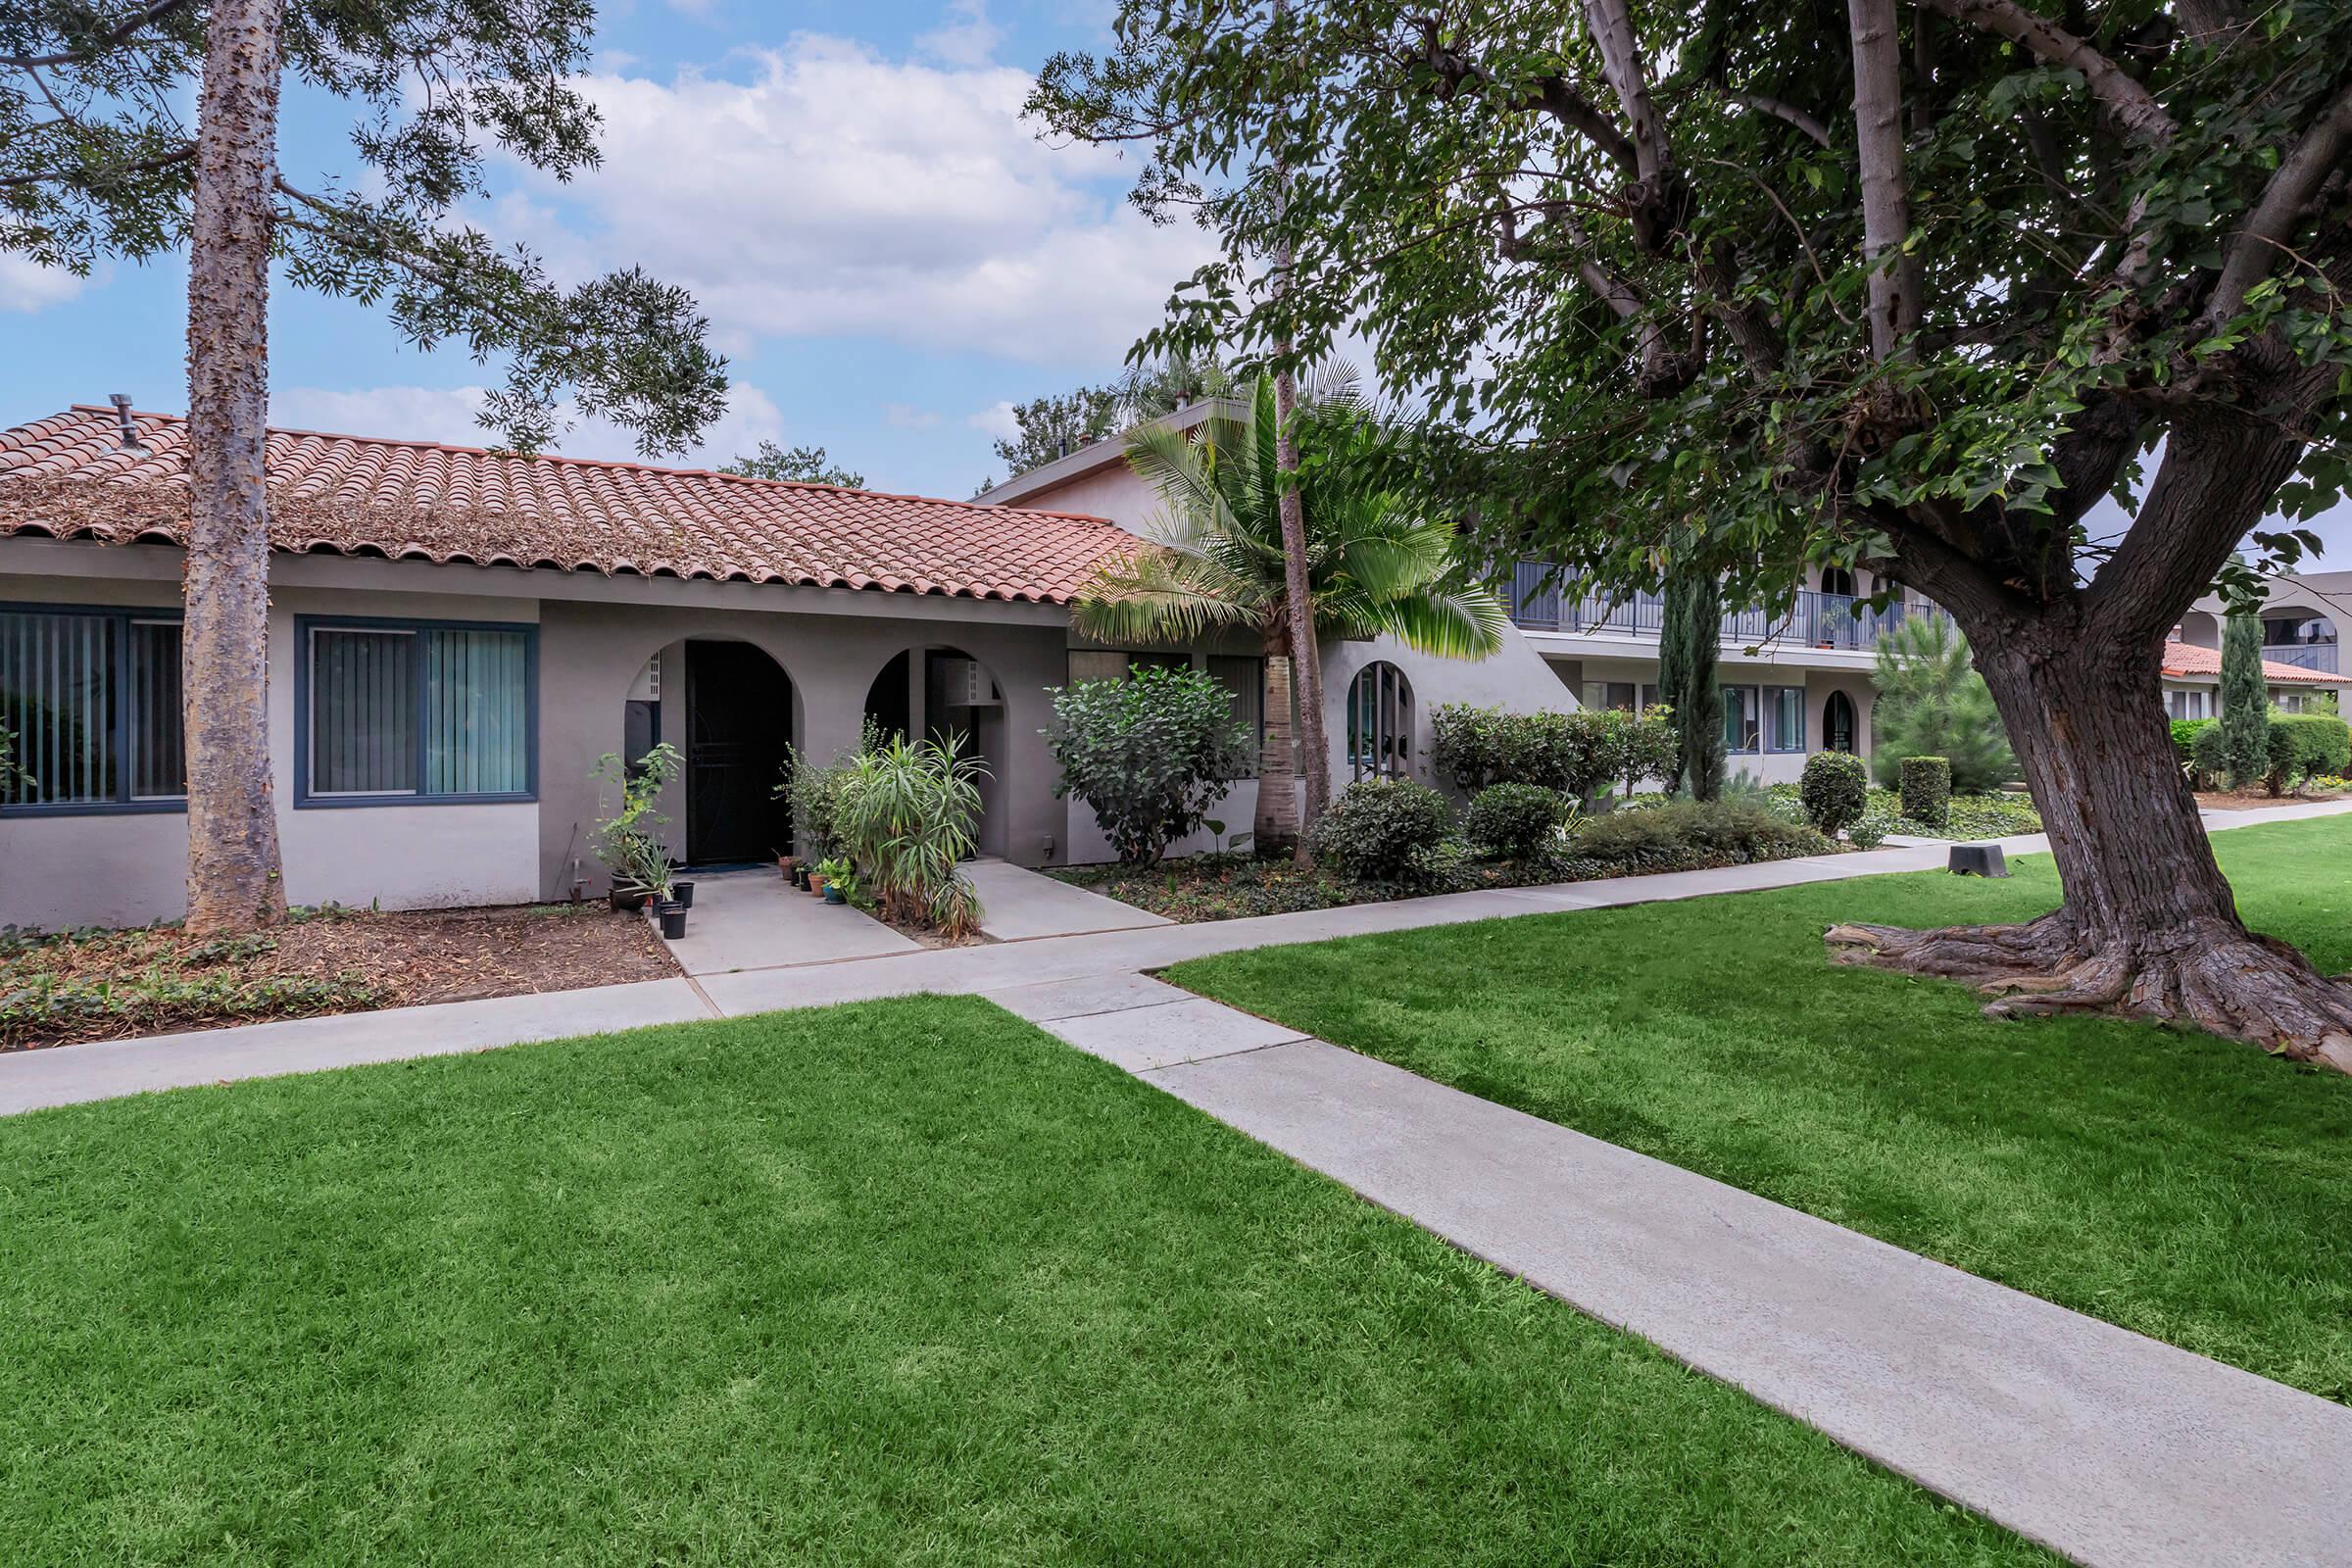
2187	658
68	477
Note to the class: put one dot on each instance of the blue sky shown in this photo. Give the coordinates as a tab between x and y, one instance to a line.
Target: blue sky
887	254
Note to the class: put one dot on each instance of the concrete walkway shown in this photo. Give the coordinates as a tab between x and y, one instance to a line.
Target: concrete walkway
757	920
2100	1444
1019	905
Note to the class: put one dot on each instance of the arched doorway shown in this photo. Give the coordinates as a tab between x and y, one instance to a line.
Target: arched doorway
1380	722
1837	730
738	730
944	694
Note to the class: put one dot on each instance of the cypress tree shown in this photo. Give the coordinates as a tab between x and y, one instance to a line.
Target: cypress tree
1688	638
2245	700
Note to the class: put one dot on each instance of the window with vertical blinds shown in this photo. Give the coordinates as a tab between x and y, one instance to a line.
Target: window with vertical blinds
1245	678
416	711
90	698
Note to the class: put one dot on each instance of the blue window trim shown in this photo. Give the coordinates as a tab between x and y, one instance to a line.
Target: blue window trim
1765	735
305	800
118	730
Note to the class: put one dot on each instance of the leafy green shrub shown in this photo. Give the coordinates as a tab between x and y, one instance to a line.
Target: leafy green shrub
626	834
2188	735
1927	789
1514	821
1932	703
2209	754
1579	754
1836	791
1689	833
813	791
1383	830
907	814
1153	755
2303	743
1870	830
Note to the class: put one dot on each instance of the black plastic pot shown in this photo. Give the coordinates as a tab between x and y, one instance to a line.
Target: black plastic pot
626	903
683	892
800	877
674	920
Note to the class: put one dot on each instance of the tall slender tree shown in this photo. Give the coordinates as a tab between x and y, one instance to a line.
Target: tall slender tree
1690	642
95	161
2245	699
1666	285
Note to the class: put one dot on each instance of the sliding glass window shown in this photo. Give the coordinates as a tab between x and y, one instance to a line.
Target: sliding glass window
412	711
90	700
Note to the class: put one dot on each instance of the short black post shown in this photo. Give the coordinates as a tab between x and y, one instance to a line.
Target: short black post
1977	859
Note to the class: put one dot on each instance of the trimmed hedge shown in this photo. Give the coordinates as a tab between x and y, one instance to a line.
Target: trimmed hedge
1684	833
1926	792
1514	821
1383	830
1834	790
2303	743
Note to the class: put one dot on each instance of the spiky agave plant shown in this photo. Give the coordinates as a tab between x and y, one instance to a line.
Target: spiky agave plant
908	815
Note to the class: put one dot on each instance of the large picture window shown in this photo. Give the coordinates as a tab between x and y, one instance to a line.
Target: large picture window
91	696
1763	718
394	712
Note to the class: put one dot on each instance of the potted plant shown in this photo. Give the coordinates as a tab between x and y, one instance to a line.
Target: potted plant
682	889
626	840
840	879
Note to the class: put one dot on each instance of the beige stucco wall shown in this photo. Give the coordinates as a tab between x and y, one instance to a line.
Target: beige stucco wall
595	635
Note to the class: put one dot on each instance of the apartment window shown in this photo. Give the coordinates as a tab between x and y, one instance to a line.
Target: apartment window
1380	722
1763	718
92	698
1616	694
392	712
1244	681
1838	723
2185	704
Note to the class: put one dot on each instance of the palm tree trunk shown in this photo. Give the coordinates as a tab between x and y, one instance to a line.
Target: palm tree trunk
233	872
1276	824
1315	752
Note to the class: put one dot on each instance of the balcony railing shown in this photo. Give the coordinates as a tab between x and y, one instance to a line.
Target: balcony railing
2319	656
1817	619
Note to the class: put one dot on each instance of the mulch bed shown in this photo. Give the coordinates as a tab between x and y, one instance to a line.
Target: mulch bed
107	985
2254	801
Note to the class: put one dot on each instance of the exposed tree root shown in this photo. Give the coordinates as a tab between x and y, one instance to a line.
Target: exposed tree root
2214	976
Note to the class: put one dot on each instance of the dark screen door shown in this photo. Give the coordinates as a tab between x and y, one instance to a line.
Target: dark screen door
738	725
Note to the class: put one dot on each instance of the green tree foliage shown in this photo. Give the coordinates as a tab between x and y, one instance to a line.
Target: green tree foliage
1153	755
1932	703
2245	699
1689	639
1055	425
1515	821
1580	754
800	465
97	162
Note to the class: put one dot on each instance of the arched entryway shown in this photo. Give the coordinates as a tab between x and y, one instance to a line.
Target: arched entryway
1837	728
736	731
1380	722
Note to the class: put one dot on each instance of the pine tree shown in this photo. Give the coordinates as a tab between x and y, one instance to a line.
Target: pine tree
1932	703
2245	700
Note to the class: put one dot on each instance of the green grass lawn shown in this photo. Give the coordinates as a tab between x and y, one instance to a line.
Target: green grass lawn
904	1282
2190	1188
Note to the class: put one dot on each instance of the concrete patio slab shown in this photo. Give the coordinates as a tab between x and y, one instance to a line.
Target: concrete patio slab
1018	905
756	920
2110	1448
103	1069
1075	998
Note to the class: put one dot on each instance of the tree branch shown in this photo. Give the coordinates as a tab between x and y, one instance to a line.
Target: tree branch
120	30
1611	26
2133	108
2271	221
1785	111
1894	284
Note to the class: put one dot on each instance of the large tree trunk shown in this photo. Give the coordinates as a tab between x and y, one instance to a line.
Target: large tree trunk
233	876
2150	926
1276	829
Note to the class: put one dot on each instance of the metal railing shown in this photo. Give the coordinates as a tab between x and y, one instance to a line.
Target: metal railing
1817	619
2320	657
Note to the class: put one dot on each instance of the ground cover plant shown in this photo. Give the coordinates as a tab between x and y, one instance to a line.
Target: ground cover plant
768	1290
2181	1184
105	985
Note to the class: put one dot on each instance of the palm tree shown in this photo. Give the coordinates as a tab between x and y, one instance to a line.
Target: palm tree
1377	563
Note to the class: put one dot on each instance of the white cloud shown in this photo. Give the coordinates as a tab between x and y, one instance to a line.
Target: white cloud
447	414
996	419
907	417
27	285
967	39
837	192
